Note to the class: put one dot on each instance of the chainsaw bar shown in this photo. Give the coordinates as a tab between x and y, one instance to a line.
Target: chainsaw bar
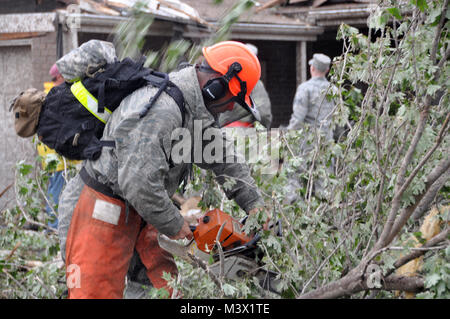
238	267
235	266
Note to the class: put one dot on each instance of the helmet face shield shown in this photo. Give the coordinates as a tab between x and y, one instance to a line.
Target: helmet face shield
250	106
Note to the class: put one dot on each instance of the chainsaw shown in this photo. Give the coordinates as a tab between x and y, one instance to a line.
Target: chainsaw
238	255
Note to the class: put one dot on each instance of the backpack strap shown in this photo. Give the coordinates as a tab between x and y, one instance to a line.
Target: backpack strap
177	95
161	80
89	101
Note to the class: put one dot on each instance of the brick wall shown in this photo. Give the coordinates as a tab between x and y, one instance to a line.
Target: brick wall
43	55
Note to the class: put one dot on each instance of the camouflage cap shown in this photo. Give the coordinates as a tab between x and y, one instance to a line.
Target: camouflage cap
252	48
320	61
92	54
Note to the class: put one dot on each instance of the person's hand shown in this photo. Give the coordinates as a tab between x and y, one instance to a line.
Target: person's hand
185	232
255	211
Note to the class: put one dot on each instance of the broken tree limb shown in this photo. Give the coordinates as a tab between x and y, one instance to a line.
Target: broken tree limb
13	250
18	283
192	17
433	180
419	252
426	201
356	281
95	7
269	4
22	210
205	267
6	189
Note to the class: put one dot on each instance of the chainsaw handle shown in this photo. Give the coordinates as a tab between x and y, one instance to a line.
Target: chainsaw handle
257	236
253	241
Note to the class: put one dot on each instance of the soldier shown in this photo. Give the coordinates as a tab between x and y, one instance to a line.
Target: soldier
310	102
238	117
311	107
128	198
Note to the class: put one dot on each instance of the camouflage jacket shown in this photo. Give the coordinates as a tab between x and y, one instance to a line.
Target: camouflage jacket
262	102
139	168
312	106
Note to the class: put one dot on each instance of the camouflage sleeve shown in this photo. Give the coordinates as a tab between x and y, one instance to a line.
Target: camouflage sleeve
300	108
143	152
262	101
244	191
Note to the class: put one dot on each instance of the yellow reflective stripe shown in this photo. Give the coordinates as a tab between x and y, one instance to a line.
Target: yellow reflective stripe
89	101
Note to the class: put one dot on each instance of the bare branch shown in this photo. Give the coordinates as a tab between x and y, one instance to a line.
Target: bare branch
396	201
38	182
322	265
45	287
13	250
437	35
22	210
427	156
203	265
355	283
18	283
427	200
435	180
219	248
6	189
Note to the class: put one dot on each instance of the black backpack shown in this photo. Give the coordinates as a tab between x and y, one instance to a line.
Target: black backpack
67	126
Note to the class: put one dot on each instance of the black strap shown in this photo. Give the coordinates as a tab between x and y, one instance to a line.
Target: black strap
162	86
108	143
176	94
161	80
101	97
96	185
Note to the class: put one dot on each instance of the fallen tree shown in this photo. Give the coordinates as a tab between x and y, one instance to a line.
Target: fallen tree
409	45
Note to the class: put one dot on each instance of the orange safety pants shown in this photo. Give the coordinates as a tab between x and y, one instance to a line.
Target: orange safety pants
100	244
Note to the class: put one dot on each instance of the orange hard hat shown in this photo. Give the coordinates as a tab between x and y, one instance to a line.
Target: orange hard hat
222	56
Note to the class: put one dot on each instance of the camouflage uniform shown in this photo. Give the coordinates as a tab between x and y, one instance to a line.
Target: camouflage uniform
262	102
138	170
88	57
311	107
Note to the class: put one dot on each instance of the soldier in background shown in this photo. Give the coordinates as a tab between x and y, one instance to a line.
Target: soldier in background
312	108
310	102
239	117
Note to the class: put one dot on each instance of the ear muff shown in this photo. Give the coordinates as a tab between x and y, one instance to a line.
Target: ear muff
214	89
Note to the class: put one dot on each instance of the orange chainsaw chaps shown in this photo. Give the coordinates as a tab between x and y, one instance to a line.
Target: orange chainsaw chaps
156	260
98	253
